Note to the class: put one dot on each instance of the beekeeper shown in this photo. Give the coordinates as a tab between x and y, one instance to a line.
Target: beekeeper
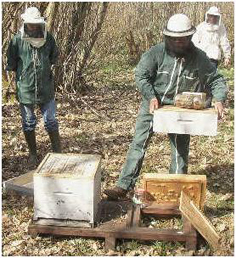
167	69
211	37
31	53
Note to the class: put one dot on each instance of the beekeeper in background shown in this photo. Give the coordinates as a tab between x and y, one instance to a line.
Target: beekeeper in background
211	37
31	53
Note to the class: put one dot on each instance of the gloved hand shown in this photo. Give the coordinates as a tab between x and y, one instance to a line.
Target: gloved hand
153	105
220	110
227	62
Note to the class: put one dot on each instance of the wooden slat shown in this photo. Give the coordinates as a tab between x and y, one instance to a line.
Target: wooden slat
129	219
139	233
198	220
187	226
161	209
110	242
137	216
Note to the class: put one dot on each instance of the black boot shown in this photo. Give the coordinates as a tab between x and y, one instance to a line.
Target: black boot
116	193
55	141
31	141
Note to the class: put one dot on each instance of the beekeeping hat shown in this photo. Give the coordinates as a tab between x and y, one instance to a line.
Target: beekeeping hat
179	25
32	15
213	11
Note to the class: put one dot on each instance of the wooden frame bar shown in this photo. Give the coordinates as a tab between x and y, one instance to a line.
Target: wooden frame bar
131	229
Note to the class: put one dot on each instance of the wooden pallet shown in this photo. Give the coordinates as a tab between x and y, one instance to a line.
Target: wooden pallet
129	228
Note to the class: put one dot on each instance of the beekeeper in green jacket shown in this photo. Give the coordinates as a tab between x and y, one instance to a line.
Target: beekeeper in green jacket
167	69
31	53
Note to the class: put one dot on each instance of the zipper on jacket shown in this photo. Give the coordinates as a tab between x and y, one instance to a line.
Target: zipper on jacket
171	78
36	62
180	68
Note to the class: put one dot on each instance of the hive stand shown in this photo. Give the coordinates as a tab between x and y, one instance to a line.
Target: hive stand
129	229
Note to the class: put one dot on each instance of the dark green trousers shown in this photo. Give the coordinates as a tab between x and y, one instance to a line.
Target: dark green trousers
143	132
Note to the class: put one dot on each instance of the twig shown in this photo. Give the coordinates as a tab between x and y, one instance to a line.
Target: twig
103	116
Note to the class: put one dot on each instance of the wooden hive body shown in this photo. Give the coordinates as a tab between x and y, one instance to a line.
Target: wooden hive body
166	188
67	187
170	119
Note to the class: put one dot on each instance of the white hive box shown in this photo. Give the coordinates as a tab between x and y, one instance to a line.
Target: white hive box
67	187
171	119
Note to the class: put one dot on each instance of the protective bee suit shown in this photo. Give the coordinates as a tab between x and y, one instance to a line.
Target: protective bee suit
166	69
211	38
31	54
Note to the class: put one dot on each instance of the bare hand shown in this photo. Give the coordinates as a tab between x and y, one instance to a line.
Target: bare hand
220	110
227	62
153	105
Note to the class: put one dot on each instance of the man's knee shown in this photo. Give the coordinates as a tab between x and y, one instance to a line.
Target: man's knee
51	125
29	121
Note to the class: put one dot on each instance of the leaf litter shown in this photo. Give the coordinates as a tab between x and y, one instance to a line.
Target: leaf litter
109	135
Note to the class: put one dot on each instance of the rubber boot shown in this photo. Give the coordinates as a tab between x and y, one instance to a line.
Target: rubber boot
116	193
55	141
31	142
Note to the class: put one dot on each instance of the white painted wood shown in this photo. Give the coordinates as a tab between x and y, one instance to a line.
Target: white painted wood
67	187
62	223
22	184
170	119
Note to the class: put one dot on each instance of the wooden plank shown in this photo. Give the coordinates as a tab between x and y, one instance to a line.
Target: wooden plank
110	242
129	219
139	233
187	226
185	121
161	209
137	216
191	242
22	184
198	220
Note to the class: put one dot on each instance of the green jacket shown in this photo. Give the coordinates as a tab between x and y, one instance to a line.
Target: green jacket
34	80
160	74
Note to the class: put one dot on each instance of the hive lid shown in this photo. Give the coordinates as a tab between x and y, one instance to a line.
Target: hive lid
68	165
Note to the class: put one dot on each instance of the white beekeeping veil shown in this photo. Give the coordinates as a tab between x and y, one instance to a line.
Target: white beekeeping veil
32	19
213	11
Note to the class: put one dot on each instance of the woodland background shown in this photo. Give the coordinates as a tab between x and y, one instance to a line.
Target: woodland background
100	45
97	36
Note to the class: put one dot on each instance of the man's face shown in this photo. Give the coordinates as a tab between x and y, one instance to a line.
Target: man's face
178	45
34	30
213	19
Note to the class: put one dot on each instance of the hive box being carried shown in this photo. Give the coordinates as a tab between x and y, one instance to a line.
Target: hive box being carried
171	119
67	187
